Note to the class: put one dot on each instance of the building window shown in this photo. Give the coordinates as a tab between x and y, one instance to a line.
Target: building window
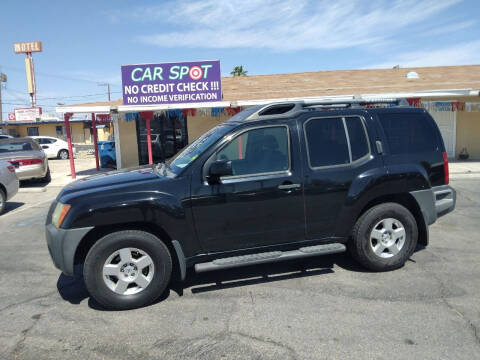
32	131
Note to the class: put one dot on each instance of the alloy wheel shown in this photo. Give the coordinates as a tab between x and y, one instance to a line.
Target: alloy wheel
387	238
128	271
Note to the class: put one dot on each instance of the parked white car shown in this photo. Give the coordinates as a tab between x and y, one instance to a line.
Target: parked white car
8	183
4	136
54	147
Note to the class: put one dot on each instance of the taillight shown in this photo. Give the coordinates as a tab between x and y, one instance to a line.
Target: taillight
445	168
11	168
24	162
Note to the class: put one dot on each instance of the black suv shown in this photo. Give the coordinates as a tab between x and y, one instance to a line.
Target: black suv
274	182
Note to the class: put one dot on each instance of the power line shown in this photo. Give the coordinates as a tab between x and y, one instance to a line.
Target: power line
26	103
56	75
76	96
63	97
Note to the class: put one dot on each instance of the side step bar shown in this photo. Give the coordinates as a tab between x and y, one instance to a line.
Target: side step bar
268	257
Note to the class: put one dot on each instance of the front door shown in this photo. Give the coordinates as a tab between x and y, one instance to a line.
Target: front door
262	202
47	146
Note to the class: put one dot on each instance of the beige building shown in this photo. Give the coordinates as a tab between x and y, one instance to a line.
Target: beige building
81	130
450	94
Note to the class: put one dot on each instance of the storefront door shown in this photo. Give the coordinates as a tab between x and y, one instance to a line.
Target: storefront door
168	135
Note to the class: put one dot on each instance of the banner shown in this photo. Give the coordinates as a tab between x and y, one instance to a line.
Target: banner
27	114
103	118
171	83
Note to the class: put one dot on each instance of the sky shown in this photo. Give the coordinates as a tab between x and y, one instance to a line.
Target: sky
86	42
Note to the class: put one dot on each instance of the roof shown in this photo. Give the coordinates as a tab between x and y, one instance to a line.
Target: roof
342	82
36	123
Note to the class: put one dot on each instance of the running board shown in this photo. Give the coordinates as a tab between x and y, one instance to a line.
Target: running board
268	257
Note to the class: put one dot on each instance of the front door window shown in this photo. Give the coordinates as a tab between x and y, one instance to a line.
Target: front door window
258	151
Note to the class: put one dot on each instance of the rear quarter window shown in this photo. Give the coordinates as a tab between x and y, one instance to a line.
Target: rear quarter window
357	137
408	133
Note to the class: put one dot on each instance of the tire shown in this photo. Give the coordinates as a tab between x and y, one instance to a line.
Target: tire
368	237
3	201
48	177
63	154
139	243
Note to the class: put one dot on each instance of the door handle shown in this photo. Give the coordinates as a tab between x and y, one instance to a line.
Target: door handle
289	186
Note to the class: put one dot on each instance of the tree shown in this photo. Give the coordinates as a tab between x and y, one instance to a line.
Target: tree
238	71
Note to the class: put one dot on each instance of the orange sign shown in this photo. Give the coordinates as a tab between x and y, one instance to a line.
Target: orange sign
27	47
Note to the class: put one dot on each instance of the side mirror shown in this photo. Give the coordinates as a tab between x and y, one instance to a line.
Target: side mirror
218	169
45	147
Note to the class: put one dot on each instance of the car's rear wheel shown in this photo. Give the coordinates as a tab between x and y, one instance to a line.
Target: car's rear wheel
3	201
384	237
48	177
127	269
63	154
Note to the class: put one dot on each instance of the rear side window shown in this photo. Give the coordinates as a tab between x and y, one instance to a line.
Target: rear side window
326	142
357	137
408	133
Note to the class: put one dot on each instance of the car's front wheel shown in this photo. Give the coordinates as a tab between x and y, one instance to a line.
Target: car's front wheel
63	154
127	269
384	237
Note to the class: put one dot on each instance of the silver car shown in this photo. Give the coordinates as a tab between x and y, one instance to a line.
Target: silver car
27	157
8	183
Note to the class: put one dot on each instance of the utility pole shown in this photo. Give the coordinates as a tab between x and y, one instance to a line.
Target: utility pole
3	78
108	88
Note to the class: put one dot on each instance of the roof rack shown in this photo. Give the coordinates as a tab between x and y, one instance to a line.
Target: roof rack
286	109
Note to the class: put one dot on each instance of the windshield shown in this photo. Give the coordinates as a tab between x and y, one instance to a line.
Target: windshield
197	147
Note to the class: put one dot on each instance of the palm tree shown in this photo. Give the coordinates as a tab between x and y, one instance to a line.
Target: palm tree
238	71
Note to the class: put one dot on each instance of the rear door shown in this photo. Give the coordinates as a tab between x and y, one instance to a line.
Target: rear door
262	203
338	151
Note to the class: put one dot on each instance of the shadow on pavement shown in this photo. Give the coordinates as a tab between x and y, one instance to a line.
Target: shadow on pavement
93	171
12	205
254	274
73	289
34	183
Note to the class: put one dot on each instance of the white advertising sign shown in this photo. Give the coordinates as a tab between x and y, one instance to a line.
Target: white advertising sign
27	114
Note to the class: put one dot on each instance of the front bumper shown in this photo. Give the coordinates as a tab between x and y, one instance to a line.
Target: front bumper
62	245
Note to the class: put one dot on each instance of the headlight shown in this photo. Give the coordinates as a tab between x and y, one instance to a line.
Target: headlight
61	210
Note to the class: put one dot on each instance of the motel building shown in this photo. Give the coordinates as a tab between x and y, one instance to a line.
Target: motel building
48	125
450	94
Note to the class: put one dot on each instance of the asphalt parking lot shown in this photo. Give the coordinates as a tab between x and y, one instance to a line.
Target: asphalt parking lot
323	308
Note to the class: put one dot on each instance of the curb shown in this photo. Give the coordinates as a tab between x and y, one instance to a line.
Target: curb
32	190
475	175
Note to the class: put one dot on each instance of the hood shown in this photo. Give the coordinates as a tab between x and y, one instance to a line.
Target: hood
112	178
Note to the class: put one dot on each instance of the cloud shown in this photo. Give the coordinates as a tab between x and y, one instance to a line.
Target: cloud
285	25
466	53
